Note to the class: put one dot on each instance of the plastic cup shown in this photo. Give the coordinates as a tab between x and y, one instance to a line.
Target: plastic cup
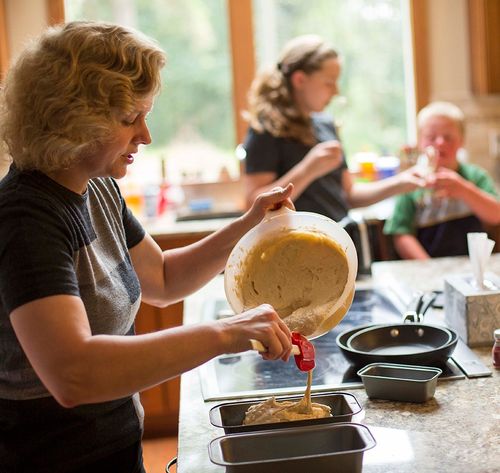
387	166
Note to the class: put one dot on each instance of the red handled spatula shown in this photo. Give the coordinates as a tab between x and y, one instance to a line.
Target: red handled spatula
303	351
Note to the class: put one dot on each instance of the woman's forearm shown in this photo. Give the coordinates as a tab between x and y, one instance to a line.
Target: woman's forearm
78	367
169	276
189	268
108	367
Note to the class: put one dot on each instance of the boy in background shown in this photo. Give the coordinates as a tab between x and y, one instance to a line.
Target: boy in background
459	197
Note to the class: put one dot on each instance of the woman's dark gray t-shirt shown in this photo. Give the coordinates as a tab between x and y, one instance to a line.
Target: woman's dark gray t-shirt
52	242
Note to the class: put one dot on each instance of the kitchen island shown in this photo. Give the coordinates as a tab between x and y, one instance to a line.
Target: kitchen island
456	431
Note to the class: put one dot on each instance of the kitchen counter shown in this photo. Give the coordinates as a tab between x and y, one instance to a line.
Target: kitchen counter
456	431
167	226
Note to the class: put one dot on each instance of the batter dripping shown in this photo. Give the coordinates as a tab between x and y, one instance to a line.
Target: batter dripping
271	411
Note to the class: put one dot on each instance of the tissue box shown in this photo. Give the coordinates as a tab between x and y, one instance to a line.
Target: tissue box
473	313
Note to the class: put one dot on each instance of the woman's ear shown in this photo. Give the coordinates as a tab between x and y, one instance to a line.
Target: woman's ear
298	79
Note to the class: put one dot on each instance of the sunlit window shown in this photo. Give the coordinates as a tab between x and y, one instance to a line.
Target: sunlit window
192	121
368	34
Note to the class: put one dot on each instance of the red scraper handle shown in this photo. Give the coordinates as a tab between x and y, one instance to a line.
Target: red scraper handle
305	360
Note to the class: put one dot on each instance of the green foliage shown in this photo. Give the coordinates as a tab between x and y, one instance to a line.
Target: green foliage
197	80
368	35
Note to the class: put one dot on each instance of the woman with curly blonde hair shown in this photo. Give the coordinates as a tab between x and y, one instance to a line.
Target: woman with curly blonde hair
290	140
75	263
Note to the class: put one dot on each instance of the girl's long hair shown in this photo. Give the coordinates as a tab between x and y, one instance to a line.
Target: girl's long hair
271	106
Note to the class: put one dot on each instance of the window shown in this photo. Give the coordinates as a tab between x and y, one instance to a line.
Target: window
368	34
192	123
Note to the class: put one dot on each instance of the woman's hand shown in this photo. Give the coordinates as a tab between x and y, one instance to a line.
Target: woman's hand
271	200
261	323
323	158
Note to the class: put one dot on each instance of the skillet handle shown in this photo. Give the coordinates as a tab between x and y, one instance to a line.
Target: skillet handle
427	301
414	309
419	306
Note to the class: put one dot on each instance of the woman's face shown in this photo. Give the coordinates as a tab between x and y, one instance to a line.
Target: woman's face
313	92
113	157
444	135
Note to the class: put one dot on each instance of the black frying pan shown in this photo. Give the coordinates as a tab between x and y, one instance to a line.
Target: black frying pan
399	339
410	343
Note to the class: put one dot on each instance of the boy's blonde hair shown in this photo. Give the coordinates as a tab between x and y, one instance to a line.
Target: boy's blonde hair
63	95
442	109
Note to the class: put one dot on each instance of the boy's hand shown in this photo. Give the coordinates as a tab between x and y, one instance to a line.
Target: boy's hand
446	183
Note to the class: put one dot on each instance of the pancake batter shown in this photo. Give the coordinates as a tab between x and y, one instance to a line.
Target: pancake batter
301	274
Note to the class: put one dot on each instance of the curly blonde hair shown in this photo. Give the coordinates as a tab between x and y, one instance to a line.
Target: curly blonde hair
62	96
271	106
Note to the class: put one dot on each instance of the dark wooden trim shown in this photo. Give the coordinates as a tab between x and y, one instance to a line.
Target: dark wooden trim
55	12
243	58
420	46
484	34
4	42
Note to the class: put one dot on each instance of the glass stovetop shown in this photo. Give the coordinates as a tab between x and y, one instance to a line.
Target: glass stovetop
247	375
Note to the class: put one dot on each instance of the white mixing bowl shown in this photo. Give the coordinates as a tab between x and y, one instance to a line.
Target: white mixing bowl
284	220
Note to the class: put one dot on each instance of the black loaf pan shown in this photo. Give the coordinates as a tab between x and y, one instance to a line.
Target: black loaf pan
229	416
328	448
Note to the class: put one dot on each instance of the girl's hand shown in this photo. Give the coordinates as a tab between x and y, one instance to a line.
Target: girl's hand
323	158
411	179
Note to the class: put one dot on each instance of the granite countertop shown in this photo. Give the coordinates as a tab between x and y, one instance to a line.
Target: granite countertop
456	431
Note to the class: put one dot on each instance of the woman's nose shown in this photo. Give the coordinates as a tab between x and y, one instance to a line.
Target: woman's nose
143	135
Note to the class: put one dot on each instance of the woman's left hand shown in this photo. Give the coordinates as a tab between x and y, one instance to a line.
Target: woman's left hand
271	200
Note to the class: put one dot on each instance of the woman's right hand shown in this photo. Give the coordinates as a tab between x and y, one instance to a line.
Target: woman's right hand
323	158
261	323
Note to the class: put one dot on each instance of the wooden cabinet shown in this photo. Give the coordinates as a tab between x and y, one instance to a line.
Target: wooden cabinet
484	31
161	403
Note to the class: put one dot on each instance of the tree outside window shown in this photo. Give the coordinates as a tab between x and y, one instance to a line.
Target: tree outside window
192	123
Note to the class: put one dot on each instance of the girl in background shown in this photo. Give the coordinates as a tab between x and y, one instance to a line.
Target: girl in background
291	140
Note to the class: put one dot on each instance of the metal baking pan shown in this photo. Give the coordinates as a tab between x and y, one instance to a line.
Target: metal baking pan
328	448
229	416
408	383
